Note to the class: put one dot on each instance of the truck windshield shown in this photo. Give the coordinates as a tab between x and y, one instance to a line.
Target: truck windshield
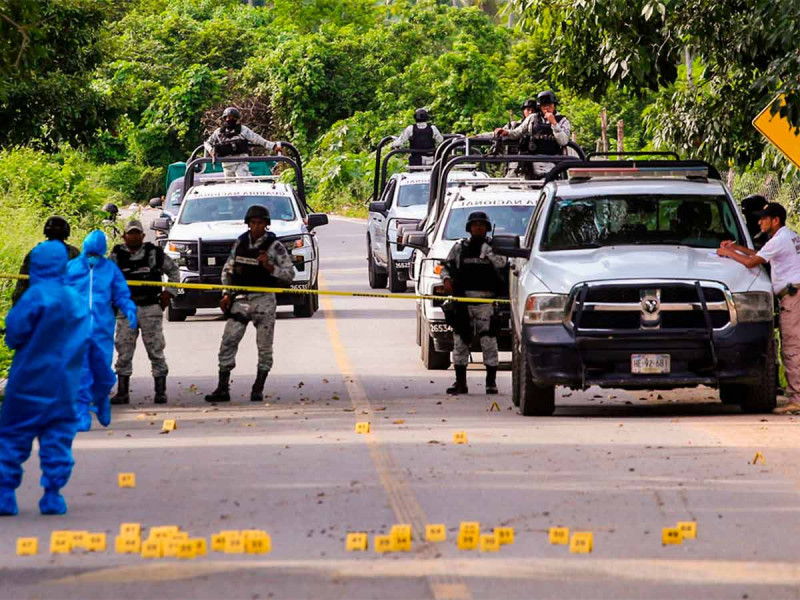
233	208
506	219
413	194
687	220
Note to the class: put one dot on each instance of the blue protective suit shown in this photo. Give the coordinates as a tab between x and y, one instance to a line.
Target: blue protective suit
48	329
102	287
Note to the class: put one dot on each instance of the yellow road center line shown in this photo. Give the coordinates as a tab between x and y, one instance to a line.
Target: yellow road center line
402	498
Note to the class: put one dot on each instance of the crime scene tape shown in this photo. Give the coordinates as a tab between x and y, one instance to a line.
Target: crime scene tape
277	290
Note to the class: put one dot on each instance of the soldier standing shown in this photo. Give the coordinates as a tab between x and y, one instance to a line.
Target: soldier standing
421	136
142	261
258	259
473	270
232	139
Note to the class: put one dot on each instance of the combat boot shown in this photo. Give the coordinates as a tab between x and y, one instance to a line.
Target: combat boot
160	389
491	380
460	384
257	393
223	391
123	390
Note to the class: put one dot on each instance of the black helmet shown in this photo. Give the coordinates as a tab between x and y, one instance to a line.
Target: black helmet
111	209
258	211
478	217
421	115
530	103
231	112
753	203
547	97
56	228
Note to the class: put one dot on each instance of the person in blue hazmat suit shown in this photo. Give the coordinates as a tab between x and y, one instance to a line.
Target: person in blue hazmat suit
102	286
48	330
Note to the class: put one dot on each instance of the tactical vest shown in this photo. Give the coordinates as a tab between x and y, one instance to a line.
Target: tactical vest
542	138
476	274
421	139
231	142
146	268
246	270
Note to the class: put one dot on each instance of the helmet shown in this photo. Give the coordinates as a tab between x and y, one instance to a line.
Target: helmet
111	209
56	228
478	217
258	211
530	103
231	112
421	115
547	97
753	203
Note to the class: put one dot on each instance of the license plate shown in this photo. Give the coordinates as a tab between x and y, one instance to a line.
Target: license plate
403	265
212	261
650	364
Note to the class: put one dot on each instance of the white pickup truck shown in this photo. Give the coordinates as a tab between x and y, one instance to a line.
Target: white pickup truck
618	284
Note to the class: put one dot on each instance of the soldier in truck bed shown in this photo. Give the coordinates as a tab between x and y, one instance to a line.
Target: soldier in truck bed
232	139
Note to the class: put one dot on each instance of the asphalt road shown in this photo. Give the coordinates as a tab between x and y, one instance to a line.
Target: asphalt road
621	465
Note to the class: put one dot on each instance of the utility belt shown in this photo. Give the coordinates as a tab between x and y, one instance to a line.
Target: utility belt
789	290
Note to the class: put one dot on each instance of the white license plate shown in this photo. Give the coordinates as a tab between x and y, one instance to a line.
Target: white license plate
212	261
649	364
402	265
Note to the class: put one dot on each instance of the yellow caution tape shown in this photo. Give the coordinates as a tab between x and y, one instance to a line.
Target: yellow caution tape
277	290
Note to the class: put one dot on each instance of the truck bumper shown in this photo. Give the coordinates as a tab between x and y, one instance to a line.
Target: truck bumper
194	299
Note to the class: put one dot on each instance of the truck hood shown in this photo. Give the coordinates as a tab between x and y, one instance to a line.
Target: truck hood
560	271
418	211
218	231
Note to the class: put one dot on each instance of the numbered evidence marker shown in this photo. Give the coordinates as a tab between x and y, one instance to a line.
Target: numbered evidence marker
130	529
382	543
362	427
469	535
96	542
234	544
505	535
218	542
127	480
401	538
80	539
258	544
759	457
435	533
581	543
489	543
558	536
186	550
688	529
200	546
671	536
28	546
60	542
460	437
356	542
169	425
127	544
163	532
152	548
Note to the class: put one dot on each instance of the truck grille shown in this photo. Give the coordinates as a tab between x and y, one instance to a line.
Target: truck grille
648	306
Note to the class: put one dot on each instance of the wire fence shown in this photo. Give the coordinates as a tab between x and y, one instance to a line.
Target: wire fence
768	185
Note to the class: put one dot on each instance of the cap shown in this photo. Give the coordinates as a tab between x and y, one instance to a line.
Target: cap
773	210
134	225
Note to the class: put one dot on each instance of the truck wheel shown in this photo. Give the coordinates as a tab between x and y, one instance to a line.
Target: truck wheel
535	400
377	280
396	284
305	309
731	393
433	360
516	369
760	397
419	328
176	315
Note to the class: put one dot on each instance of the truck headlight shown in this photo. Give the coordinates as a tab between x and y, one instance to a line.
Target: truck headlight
545	309
753	306
180	251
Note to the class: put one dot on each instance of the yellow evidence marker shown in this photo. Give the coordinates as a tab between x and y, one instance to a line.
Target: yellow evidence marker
169	547
261	544
186	549
383	543
356	542
435	533
127	480
489	543
96	542
505	535
460	437
759	457
234	544
582	542
200	546
131	529
28	546
218	542
163	532
558	536
79	539
671	536
169	425
494	407
126	544
401	538
152	548
688	529
61	542
362	427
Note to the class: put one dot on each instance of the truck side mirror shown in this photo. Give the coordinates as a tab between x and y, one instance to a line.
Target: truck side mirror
508	245
315	220
378	207
155	202
417	240
160	225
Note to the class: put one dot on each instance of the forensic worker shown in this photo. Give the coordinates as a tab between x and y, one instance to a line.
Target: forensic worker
142	261
473	270
782	252
258	259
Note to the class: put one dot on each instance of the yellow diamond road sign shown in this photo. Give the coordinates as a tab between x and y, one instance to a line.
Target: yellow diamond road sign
779	132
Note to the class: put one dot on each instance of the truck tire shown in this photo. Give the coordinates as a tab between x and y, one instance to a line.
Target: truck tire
433	360
396	284
305	309
377	280
175	315
516	368
758	397
419	328
535	400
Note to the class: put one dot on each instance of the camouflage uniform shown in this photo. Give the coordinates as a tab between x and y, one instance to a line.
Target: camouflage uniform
246	134
479	314
256	308
150	319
